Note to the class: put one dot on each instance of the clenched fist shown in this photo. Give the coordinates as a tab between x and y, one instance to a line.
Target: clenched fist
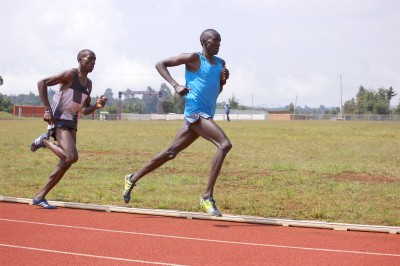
101	101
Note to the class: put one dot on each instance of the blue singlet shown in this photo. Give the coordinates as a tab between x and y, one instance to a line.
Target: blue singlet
205	85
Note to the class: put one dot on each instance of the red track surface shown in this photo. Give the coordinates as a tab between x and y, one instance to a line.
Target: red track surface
30	235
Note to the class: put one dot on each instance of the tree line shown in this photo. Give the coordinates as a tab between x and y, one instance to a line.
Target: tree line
366	102
146	104
371	102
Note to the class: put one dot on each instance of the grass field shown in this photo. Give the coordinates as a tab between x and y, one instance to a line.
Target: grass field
336	171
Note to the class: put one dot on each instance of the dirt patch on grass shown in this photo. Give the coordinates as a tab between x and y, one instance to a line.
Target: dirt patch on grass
365	178
116	153
93	153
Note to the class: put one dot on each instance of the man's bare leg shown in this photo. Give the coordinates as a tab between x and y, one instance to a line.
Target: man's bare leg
182	140
210	131
205	128
68	154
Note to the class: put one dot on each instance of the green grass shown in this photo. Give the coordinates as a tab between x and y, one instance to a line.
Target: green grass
5	115
336	171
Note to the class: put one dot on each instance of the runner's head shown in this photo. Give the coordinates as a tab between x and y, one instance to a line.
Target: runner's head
87	60
210	41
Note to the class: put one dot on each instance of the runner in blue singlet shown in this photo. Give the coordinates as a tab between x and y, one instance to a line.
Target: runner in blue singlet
205	77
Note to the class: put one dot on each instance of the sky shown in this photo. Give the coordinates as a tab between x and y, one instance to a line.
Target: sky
305	52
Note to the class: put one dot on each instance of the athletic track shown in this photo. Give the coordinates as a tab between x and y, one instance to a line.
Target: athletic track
31	235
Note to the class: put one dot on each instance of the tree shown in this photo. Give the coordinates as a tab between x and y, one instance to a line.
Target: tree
109	95
166	92
233	102
360	108
380	108
27	99
178	102
390	94
150	102
382	102
167	107
374	102
113	109
1	80
132	105
369	101
350	106
128	95
291	108
5	104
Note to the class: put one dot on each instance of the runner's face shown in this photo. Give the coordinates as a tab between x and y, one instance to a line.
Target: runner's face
88	60
212	44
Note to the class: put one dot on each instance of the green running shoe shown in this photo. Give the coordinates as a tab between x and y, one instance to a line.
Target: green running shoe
209	206
128	188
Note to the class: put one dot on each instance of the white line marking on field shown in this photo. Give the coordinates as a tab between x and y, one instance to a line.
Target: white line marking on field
206	240
85	255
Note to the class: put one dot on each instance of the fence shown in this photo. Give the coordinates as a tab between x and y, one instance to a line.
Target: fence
256	117
168	117
346	117
220	117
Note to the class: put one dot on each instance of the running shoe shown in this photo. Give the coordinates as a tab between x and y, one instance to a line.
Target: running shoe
38	143
128	188
209	206
43	203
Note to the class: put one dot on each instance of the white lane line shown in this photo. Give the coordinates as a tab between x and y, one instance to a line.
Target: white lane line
207	240
85	255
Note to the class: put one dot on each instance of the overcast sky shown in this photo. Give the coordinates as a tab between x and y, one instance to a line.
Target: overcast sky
275	50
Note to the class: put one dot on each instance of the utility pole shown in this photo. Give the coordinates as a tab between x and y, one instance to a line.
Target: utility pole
341	100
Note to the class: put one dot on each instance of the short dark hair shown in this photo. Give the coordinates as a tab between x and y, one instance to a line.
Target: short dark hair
206	33
82	52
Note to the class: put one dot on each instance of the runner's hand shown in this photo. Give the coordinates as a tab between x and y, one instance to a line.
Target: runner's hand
224	76
101	101
181	90
48	116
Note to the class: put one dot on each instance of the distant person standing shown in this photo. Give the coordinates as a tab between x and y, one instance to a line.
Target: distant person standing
205	77
62	118
227	111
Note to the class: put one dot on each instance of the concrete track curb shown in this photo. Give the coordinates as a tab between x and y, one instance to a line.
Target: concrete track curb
225	217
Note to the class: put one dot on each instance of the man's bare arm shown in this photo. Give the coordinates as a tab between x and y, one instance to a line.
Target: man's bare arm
190	60
62	78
